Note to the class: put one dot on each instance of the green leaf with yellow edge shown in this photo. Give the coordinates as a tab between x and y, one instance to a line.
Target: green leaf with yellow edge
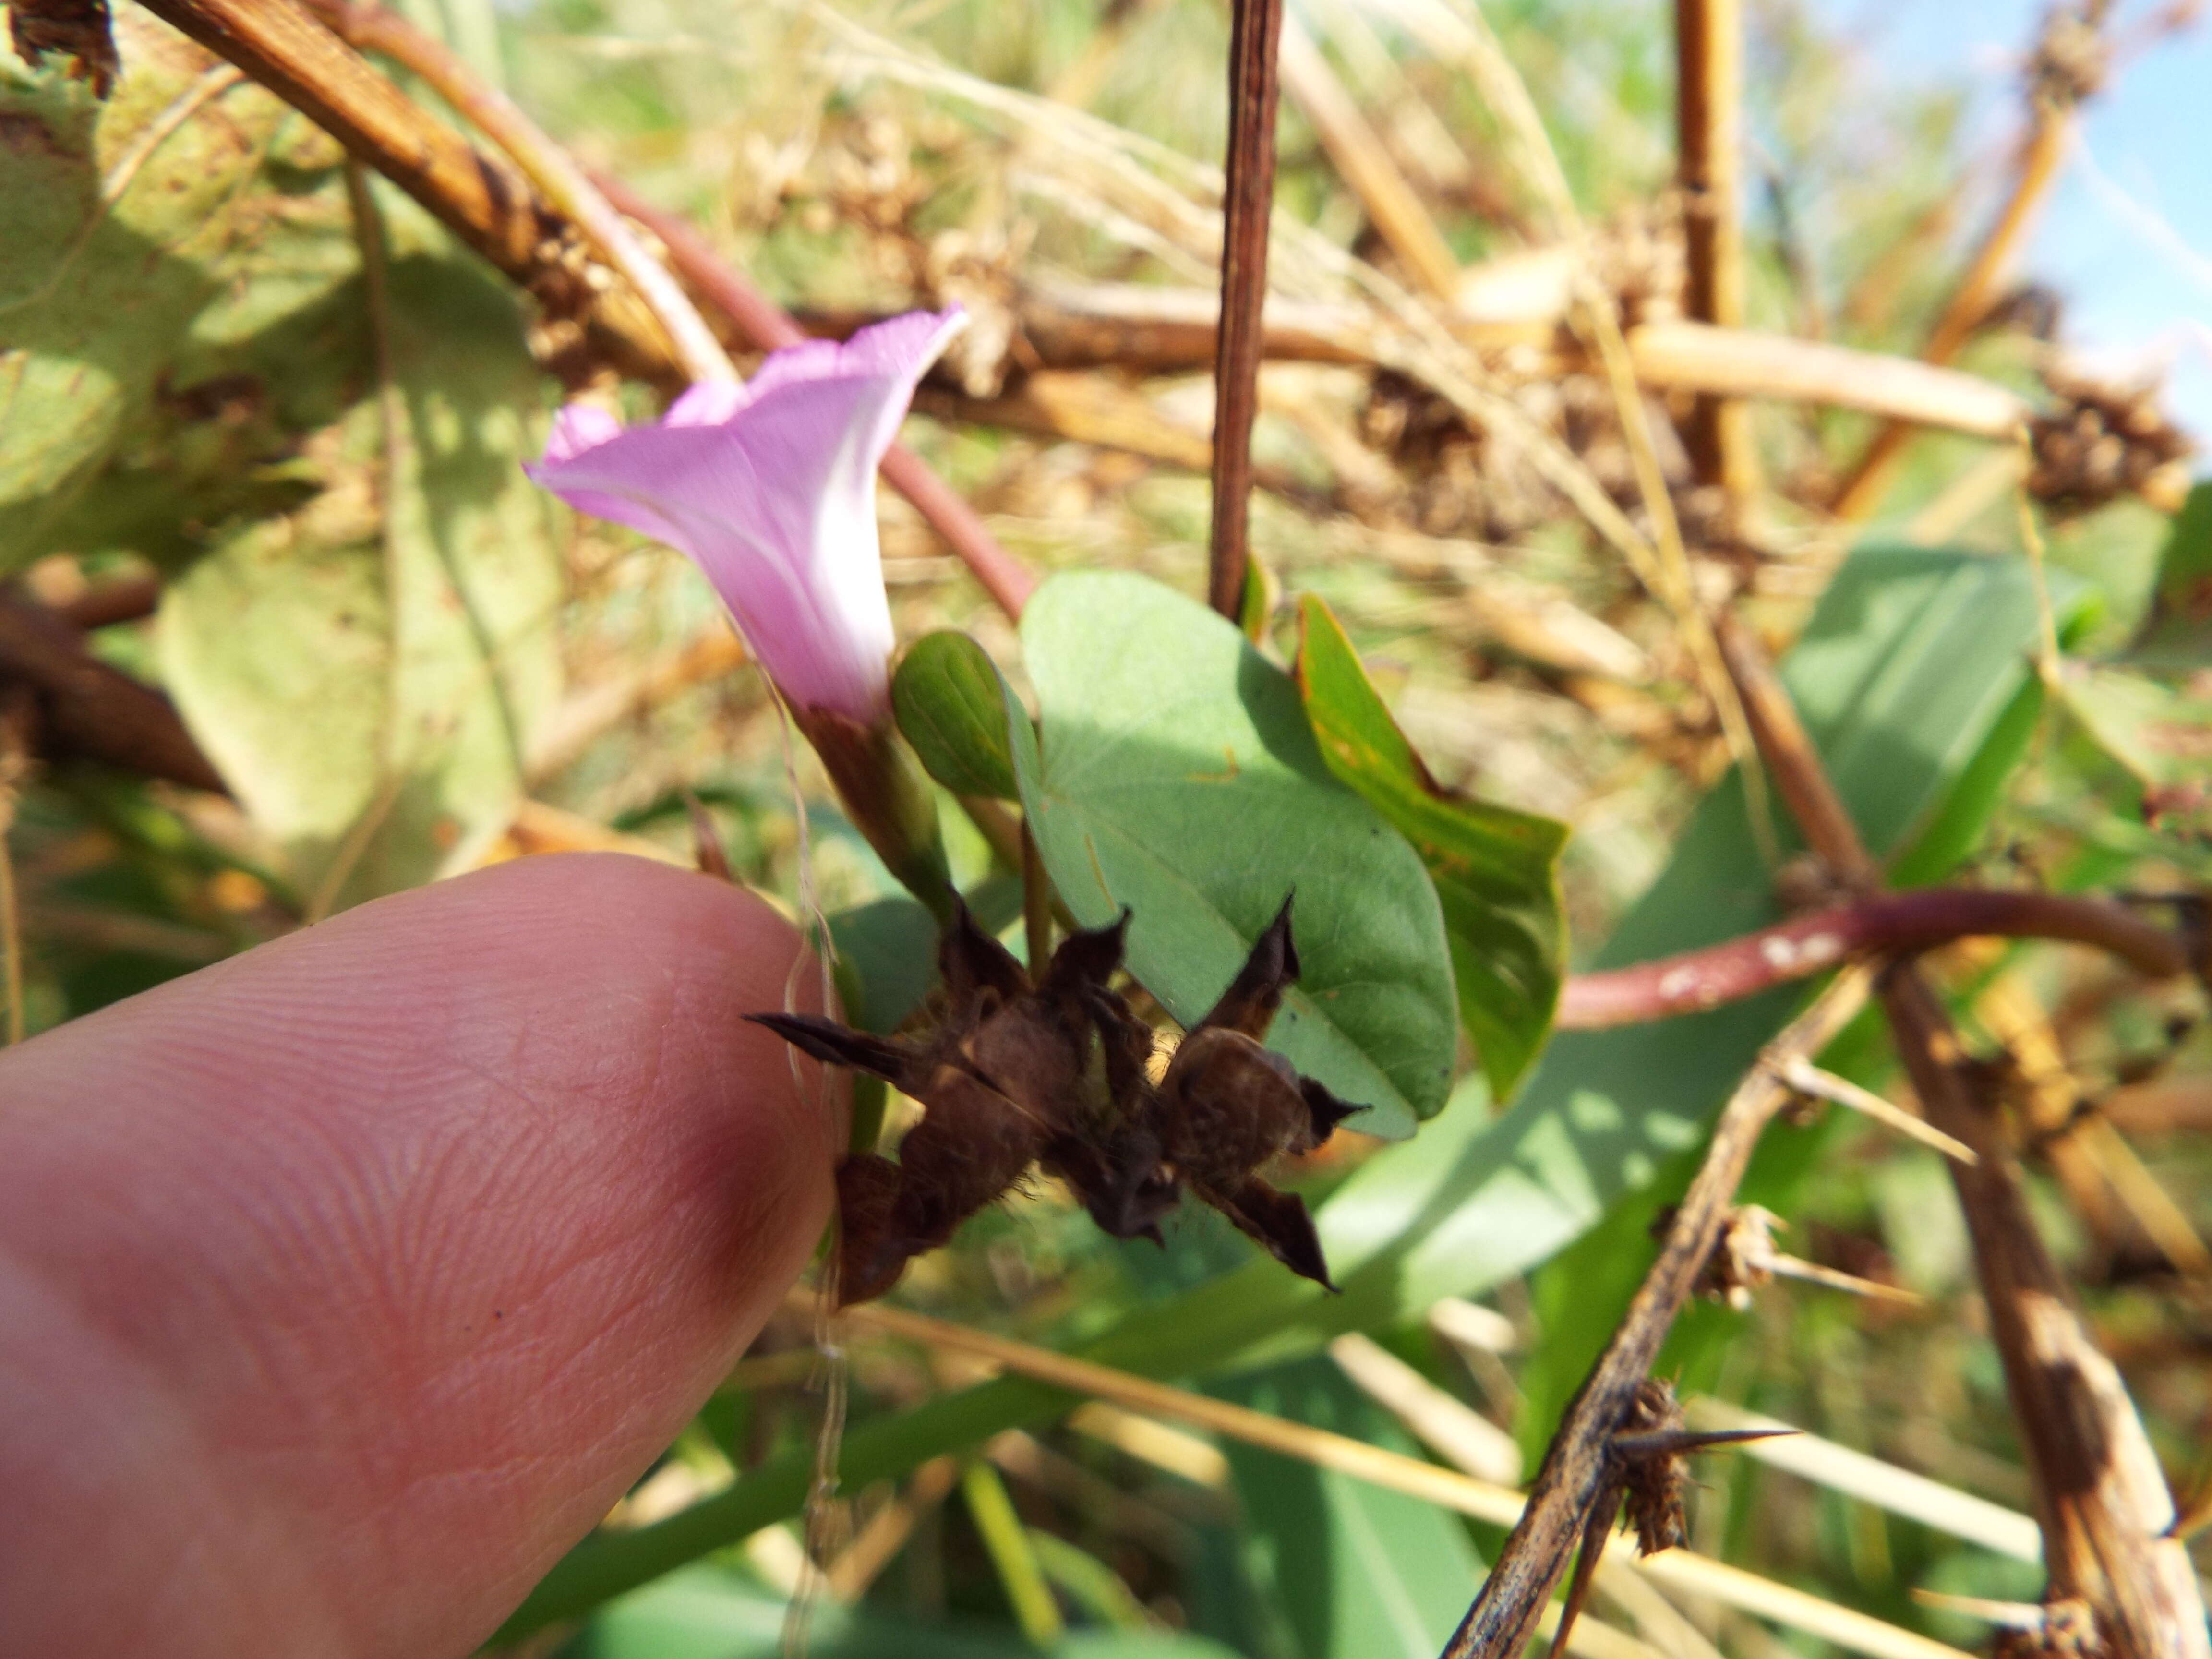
1496	870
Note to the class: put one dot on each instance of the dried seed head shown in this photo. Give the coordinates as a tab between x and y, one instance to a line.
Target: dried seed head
1654	1481
1743	1257
2103	441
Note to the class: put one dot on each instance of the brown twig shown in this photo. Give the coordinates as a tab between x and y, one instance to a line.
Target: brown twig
1247	204
1884	924
1709	121
1580	1467
482	199
2100	1498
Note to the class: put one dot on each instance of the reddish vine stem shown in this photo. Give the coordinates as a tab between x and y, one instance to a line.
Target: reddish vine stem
1887	924
1255	35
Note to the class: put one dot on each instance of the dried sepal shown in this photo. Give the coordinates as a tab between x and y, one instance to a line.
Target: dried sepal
1058	1074
1654	1481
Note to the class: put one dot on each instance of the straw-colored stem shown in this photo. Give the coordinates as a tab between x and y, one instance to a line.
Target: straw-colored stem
1709	126
1863	489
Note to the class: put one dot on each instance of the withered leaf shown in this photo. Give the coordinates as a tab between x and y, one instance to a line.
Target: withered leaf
80	30
1057	1075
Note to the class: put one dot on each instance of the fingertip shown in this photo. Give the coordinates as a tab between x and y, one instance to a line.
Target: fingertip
439	1217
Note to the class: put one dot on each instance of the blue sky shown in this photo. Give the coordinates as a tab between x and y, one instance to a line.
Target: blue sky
2126	236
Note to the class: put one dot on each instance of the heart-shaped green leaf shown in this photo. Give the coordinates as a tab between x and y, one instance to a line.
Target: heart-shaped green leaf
1497	870
950	703
1176	775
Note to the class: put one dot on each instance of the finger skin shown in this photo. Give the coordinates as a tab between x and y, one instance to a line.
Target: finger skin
345	1284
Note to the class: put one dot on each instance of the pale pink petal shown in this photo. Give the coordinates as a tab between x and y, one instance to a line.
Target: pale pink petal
710	403
579	427
770	489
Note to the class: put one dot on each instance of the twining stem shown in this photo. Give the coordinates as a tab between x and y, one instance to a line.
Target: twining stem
1887	924
1255	35
556	173
1709	126
1579	1468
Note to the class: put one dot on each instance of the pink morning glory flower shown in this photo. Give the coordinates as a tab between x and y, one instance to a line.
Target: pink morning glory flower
770	487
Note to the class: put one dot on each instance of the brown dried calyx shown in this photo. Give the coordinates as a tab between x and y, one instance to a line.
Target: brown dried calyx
1055	1074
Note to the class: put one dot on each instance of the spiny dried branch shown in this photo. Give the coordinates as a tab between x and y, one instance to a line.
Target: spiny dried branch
2099	1497
1580	1468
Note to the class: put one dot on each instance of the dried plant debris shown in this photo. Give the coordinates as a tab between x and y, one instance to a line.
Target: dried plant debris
1058	1075
1654	1481
79	30
2068	1630
1743	1256
2103	441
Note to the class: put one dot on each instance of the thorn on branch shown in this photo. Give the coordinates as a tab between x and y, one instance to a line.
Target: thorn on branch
1744	1258
1811	1082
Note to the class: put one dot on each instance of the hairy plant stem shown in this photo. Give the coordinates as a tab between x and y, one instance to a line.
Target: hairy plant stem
1255	40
